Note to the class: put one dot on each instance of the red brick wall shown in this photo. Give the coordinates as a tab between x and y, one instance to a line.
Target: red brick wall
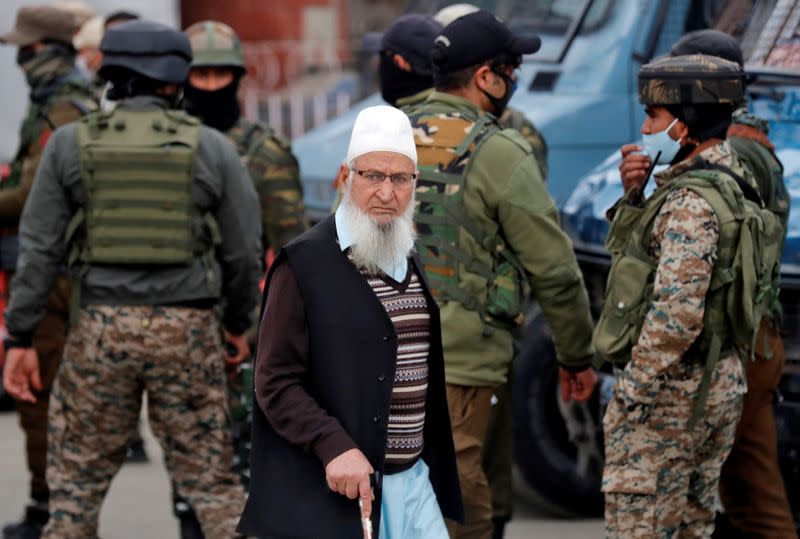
277	22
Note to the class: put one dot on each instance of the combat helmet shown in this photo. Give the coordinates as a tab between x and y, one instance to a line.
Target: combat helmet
691	79
710	42
147	48
215	44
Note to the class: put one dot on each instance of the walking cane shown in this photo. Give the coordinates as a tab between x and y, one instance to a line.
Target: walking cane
376	482
366	523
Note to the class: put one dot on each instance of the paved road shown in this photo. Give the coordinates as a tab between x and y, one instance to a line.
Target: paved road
138	503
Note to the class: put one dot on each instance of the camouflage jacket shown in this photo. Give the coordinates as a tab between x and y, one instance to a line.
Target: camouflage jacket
504	194
684	240
276	177
68	102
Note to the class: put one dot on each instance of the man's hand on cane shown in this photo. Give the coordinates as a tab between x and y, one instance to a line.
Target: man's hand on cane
348	474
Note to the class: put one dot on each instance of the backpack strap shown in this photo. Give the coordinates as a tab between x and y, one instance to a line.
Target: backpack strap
252	138
749	192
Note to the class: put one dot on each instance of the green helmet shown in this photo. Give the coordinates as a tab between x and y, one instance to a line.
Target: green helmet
215	44
690	79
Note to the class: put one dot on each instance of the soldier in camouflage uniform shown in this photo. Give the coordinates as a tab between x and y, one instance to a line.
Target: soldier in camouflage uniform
211	95
488	233
677	402
751	485
145	206
58	96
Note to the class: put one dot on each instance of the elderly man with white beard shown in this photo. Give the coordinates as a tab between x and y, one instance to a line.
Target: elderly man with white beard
352	432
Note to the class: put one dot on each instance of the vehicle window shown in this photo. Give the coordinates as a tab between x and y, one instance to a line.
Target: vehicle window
553	16
543	16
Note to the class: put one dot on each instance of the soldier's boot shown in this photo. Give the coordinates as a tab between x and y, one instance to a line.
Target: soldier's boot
187	519
31	524
190	526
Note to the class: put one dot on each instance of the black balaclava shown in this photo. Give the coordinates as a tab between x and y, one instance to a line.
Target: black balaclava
218	109
44	67
396	83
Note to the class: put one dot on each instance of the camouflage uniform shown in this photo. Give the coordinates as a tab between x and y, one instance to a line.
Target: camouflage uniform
148	319
65	105
110	357
660	477
58	96
276	177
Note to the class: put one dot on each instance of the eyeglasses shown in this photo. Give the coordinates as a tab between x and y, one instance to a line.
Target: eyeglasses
376	177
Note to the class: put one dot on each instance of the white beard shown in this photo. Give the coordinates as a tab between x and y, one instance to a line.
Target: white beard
376	245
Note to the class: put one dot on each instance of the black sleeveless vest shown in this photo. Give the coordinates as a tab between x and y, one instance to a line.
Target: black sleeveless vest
353	349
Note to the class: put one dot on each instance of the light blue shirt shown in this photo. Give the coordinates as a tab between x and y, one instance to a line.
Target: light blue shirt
397	270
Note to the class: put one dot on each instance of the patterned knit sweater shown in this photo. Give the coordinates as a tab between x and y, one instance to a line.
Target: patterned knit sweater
407	307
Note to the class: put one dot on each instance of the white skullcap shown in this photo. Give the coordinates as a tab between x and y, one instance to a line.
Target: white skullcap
90	34
448	14
381	129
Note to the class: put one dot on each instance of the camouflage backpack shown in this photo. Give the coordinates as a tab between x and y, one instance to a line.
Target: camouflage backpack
742	285
446	141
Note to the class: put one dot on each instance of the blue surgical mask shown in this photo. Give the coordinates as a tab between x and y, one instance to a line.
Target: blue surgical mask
663	144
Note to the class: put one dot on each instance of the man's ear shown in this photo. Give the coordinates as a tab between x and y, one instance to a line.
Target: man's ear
341	177
683	130
485	80
401	63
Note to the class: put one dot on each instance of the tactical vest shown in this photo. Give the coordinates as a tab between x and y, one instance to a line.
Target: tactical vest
444	153
137	169
742	284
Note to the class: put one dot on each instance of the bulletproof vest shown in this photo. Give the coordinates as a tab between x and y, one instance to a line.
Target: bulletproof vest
742	281
137	169
446	140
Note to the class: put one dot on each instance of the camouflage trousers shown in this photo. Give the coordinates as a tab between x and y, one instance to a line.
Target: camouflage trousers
112	357
660	478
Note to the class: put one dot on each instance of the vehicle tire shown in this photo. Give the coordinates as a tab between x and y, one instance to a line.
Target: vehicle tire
553	472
